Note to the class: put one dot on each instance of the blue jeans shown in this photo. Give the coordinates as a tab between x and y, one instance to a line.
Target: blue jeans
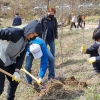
28	66
51	44
51	65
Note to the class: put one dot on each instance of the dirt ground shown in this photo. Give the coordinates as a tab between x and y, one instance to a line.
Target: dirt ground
72	70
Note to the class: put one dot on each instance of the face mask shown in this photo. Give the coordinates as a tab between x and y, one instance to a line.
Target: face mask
33	38
51	16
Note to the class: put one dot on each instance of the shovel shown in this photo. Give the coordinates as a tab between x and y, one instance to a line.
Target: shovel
10	75
37	80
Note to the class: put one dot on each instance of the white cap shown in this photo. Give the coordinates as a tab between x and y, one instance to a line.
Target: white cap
35	49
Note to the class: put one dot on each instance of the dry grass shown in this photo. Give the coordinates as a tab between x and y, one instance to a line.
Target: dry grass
69	62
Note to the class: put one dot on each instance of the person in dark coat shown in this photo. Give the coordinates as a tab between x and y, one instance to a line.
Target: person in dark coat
49	29
12	54
79	18
94	51
17	20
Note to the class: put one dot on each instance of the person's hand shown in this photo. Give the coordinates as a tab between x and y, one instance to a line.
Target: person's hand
91	60
42	84
83	48
41	80
16	77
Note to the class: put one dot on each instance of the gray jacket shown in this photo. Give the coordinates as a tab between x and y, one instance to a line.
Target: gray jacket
11	46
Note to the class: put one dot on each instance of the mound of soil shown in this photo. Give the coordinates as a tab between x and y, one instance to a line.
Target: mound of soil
71	81
51	88
58	86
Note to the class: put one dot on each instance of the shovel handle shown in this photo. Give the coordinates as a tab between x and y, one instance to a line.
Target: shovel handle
37	80
24	70
10	75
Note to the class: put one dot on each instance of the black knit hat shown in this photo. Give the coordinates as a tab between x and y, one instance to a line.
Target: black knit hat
33	26
96	34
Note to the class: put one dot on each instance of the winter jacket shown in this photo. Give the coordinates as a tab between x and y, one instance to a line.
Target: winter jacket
17	21
44	58
12	50
94	51
44	22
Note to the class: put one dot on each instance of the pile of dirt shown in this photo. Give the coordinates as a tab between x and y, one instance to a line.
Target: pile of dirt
71	81
51	88
59	86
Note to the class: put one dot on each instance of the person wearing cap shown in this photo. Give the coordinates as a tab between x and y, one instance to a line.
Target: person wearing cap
35	50
12	54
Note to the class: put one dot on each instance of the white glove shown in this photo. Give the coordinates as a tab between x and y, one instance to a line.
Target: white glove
41	80
91	60
16	77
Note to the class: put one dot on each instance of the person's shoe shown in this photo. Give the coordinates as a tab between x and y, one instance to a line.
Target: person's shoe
50	80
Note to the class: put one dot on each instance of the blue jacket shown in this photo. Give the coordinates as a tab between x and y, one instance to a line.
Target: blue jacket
17	21
94	51
44	58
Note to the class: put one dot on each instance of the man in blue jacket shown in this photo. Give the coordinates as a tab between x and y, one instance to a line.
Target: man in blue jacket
17	20
12	54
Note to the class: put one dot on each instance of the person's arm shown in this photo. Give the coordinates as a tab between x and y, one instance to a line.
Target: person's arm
13	23
56	29
18	66
98	59
44	63
43	67
41	21
20	21
93	48
11	34
20	60
43	31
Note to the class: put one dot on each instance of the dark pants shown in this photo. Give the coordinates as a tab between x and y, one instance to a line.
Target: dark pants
72	24
79	24
12	84
96	66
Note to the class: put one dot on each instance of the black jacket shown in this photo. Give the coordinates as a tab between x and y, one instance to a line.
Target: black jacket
93	51
17	21
43	21
13	49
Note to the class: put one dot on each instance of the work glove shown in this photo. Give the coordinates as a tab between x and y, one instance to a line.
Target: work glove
41	80
83	48
16	77
91	60
42	84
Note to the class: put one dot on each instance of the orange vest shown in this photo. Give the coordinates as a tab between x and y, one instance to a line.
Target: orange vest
83	17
